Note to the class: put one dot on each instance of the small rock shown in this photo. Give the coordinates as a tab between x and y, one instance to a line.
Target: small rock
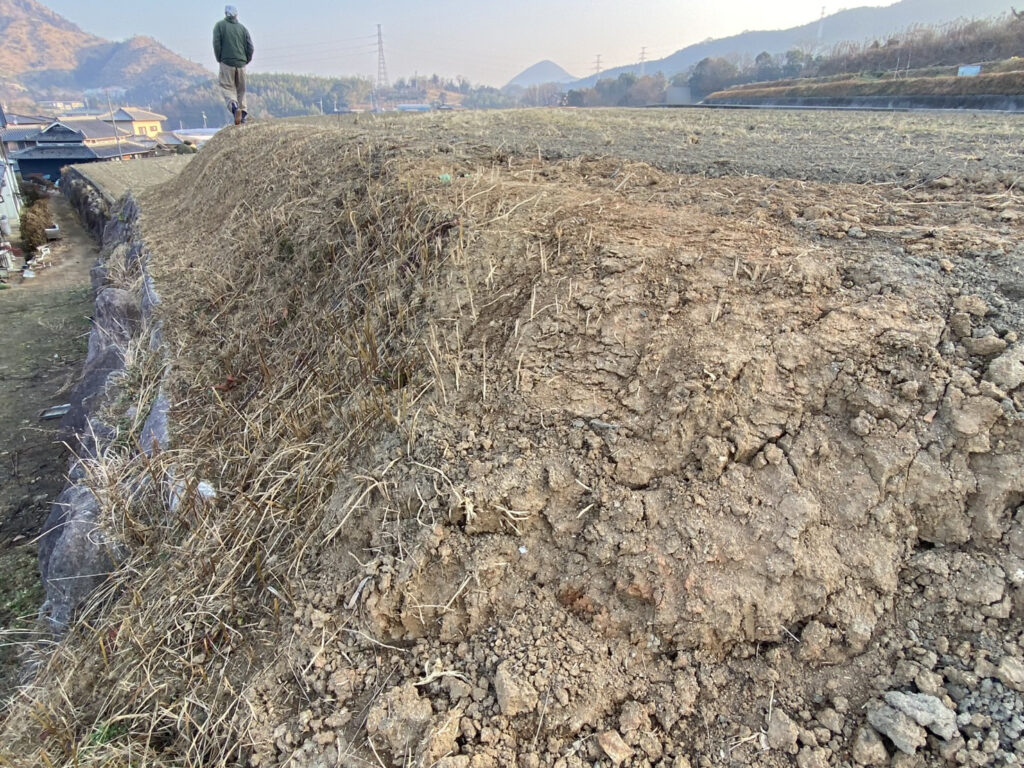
651	745
868	748
613	745
926	710
1007	370
949	749
515	696
633	718
978	583
1010	673
960	324
816	213
862	424
400	716
906	734
831	719
985	346
929	682
457	689
903	760
812	757
782	732
972	304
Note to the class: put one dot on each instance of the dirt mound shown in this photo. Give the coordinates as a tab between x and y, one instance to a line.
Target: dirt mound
531	462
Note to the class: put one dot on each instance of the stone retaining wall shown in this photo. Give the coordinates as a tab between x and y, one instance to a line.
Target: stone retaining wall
93	205
76	551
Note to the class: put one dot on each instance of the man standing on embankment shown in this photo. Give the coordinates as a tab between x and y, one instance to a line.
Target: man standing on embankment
232	45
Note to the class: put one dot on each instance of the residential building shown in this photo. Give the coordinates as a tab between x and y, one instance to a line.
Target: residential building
10	194
138	122
15	129
77	140
10	197
61	106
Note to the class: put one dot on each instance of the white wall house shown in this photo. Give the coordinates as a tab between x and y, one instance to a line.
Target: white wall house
10	205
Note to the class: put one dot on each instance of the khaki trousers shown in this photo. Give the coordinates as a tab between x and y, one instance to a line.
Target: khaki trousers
232	85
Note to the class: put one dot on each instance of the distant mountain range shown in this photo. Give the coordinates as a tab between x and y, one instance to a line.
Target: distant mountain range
539	74
45	52
852	25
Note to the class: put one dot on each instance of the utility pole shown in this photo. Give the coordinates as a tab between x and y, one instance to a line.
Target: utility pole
382	67
113	122
597	65
643	61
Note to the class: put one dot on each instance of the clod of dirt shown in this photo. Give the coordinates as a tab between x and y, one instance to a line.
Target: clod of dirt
1007	370
868	748
927	711
515	696
904	733
613	745
1011	673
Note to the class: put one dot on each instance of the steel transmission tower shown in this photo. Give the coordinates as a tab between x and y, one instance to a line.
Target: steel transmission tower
382	66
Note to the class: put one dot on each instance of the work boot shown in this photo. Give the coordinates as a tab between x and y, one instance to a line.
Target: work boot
238	117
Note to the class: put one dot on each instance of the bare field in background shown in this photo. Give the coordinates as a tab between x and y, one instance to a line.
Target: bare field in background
830	146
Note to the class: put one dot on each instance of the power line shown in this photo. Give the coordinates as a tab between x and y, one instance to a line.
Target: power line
300	58
597	65
643	60
324	44
300	50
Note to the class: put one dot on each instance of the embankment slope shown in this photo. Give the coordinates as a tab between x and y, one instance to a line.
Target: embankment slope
525	459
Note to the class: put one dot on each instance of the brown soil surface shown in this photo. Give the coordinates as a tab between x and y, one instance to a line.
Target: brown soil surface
45	322
565	439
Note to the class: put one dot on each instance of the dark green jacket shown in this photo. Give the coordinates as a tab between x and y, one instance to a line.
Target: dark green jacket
232	44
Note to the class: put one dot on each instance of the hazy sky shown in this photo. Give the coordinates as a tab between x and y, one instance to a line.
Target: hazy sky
488	42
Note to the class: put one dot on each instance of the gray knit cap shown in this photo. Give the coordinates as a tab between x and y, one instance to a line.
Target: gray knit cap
230	10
